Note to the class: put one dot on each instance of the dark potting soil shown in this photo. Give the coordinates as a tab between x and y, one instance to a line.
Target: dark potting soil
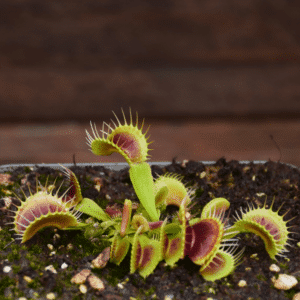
239	183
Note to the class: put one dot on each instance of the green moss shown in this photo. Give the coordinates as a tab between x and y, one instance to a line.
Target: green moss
6	282
23	247
116	273
36	249
16	268
284	266
60	284
34	284
290	293
43	178
147	294
89	179
210	288
2	193
5	238
150	291
261	277
27	169
35	262
15	253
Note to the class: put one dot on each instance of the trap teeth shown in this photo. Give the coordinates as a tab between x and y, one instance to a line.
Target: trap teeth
127	140
41	210
268	225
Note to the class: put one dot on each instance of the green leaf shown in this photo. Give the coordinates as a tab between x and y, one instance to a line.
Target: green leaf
77	227
92	209
142	181
119	248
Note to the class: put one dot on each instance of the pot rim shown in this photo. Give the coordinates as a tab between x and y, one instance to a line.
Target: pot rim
117	166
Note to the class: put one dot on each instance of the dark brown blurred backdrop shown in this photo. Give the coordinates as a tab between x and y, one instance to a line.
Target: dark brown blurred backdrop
214	78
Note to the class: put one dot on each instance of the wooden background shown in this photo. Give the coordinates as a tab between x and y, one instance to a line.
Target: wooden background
228	67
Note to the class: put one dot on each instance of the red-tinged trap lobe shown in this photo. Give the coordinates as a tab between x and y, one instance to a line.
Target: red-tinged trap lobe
138	255
189	239
155	225
174	246
127	143
207	233
113	213
215	265
147	251
269	225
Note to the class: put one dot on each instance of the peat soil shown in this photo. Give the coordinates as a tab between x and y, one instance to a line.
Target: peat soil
240	183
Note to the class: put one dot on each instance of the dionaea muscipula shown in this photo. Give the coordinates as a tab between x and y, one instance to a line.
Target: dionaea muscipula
129	141
208	240
43	209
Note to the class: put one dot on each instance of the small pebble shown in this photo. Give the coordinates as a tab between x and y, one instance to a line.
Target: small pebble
296	296
285	282
96	283
101	260
260	194
27	279
202	174
184	162
274	268
7	201
70	247
83	288
242	283
51	269
64	266
7	269
50	296
5	179
81	277
120	286
56	236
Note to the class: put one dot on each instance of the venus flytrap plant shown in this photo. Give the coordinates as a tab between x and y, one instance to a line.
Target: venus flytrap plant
207	240
42	210
129	141
268	225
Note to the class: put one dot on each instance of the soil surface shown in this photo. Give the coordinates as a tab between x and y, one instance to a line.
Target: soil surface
239	183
